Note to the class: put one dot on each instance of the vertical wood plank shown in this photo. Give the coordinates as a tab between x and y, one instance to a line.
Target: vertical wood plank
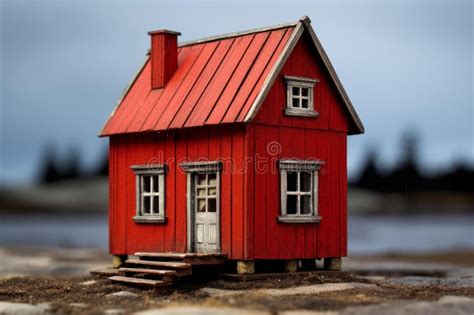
170	182
226	142
343	194
273	195
180	193
249	191
262	168
237	194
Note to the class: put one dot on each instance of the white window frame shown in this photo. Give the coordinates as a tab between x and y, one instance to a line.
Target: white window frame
300	83
299	166
156	171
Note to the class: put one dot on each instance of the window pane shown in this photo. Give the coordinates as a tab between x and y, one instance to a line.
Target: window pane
211	203
201	179
304	103
146	205
305	184
305	91
155	184
146	183
201	191
201	205
305	204
296	91
211	192
212	179
291	183
296	102
156	208
291	204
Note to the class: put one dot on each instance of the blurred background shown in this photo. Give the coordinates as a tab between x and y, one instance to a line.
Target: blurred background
407	66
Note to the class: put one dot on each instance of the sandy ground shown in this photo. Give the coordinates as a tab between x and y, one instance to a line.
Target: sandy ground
37	281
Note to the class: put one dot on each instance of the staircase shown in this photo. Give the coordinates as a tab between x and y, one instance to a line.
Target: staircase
162	269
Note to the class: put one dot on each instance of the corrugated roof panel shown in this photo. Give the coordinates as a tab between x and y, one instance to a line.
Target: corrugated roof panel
213	82
201	84
259	85
215	88
188	83
262	62
237	78
154	110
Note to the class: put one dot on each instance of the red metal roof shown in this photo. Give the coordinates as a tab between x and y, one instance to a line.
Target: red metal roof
218	80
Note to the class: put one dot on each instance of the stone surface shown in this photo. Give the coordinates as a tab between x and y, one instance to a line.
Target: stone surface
245	267
398	267
8	308
291	265
118	260
453	299
306	312
200	310
123	294
334	263
89	282
78	305
460	277
452	305
114	311
302	290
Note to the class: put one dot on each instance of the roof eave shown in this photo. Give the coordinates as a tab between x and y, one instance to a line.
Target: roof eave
359	127
124	94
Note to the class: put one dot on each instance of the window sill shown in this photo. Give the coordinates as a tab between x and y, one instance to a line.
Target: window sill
149	219
299	219
301	112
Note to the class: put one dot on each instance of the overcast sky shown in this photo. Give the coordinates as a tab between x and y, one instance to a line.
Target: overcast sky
64	64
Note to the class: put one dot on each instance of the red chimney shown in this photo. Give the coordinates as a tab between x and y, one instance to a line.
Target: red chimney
164	56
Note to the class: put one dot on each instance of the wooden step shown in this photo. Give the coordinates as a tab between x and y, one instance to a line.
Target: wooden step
181	269
157	272
164	264
139	281
176	256
190	258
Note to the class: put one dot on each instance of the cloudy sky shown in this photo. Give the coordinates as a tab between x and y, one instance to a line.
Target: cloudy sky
407	65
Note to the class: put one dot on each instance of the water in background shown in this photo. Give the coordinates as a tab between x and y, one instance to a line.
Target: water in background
417	233
367	234
54	230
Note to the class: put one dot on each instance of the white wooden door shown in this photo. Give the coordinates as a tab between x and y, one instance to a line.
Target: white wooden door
206	212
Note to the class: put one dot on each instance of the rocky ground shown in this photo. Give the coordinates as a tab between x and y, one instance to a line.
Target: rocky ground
34	281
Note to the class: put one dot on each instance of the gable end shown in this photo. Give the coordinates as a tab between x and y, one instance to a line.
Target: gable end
356	126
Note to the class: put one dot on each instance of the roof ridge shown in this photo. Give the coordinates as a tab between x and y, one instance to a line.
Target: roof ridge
241	33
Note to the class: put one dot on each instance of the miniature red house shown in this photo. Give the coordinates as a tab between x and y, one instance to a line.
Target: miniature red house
234	144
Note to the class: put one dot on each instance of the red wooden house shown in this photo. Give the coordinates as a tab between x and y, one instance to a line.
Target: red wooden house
234	144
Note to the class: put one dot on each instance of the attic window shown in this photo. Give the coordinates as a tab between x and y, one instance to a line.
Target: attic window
299	191
150	193
300	99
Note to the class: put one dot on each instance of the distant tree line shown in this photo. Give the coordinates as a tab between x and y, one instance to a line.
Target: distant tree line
406	176
54	168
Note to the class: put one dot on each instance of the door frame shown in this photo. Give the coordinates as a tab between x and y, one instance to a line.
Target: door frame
191	168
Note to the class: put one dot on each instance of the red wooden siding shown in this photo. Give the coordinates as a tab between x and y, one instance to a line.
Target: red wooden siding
322	138
273	240
199	115
212	143
304	62
212	78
